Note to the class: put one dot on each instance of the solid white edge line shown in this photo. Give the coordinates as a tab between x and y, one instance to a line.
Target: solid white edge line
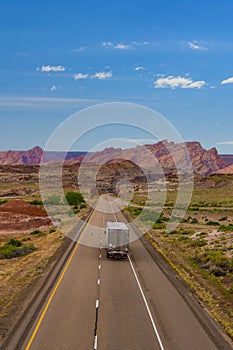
95	342
147	306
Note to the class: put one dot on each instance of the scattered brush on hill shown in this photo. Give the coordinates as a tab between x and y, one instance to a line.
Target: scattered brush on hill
15	248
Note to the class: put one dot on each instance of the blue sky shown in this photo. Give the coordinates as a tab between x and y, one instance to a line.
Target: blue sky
173	56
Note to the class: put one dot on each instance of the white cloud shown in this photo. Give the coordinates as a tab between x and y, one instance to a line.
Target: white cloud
102	75
52	68
141	43
225	143
120	46
79	76
31	102
227	81
178	82
139	68
196	47
54	88
107	44
80	49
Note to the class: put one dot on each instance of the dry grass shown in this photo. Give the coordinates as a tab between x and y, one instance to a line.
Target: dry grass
17	273
199	282
213	204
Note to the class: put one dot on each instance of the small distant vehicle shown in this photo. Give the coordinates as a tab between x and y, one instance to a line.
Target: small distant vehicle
117	240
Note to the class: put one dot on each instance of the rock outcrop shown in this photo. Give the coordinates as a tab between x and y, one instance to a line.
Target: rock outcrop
168	156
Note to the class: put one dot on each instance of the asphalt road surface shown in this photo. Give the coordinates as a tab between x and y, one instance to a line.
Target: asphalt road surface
115	305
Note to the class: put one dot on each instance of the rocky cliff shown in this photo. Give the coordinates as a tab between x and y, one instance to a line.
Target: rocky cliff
169	155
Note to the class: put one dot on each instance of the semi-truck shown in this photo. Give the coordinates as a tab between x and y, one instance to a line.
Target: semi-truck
117	240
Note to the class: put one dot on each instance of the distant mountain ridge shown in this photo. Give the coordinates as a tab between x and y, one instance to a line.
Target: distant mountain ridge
33	156
204	161
168	154
228	158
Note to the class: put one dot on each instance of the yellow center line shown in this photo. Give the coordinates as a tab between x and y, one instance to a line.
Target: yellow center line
56	286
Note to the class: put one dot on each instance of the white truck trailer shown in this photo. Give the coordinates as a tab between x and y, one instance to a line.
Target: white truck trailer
117	240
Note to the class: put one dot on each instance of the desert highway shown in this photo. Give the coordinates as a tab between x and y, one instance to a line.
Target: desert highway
110	305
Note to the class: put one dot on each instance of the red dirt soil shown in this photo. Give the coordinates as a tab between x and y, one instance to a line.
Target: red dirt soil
20	207
17	216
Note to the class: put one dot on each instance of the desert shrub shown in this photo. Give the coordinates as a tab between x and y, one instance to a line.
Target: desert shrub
9	250
223	218
14	242
184	220
213	223
186	232
168	204
193	209
162	219
184	239
217	271
37	233
198	243
36	202
142	202
52	230
202	234
159	225
226	228
217	257
137	211
194	221
83	205
173	232
2	201
74	198
25	239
